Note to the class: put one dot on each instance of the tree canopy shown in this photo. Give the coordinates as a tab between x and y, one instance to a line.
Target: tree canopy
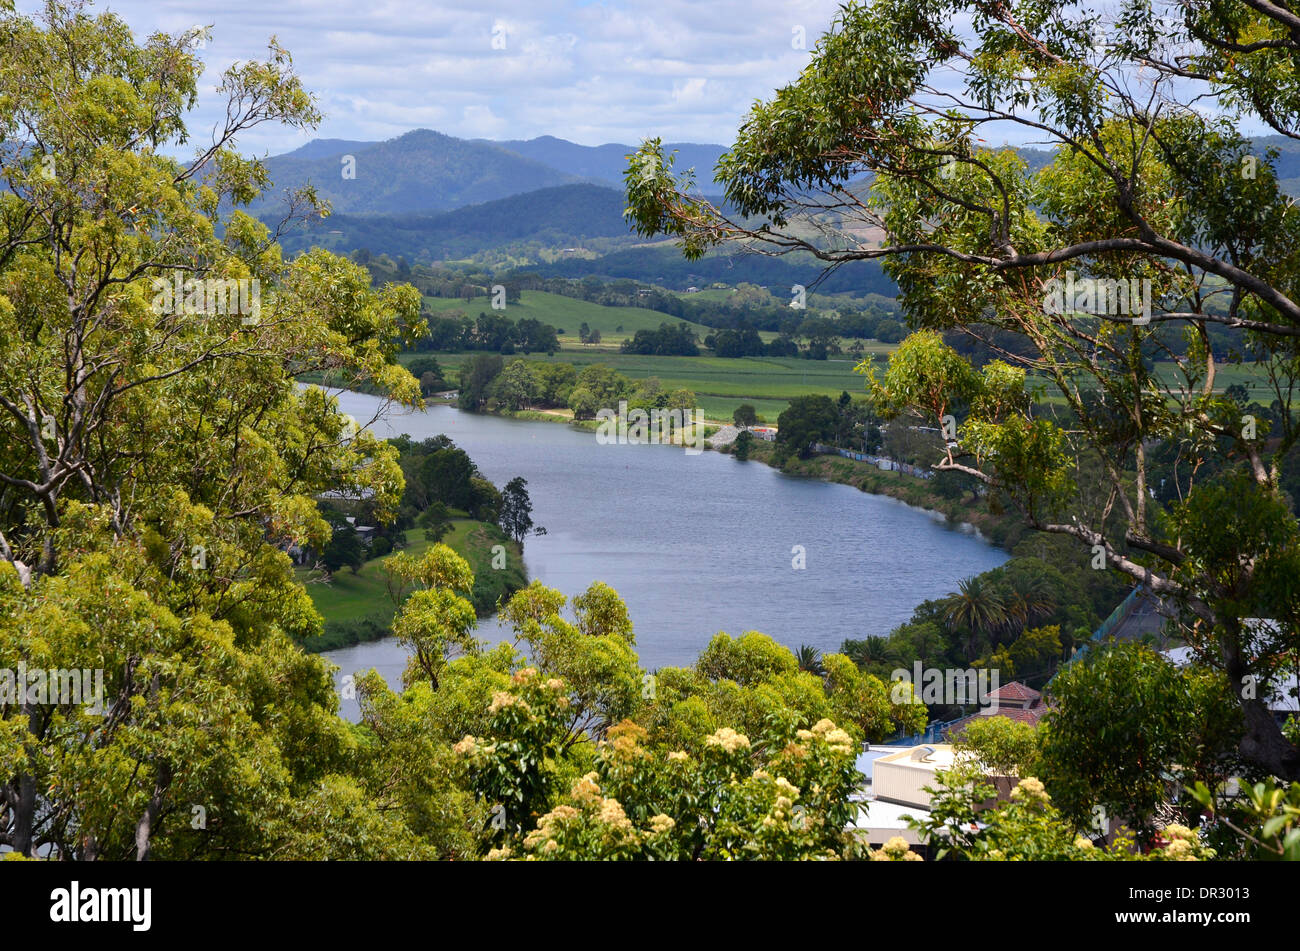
1148	229
157	457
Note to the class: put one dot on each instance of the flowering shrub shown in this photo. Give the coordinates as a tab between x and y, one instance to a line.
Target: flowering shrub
785	797
1029	827
512	768
895	850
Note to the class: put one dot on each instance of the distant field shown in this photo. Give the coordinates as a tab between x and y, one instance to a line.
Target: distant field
721	384
568	314
1252	377
709	293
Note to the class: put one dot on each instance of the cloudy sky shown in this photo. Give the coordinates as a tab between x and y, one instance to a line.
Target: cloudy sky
614	71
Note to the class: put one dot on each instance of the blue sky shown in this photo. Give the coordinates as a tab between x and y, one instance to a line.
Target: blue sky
589	72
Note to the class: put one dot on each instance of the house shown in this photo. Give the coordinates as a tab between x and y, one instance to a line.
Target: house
1015	701
364	532
901	777
879	817
1282	695
894	791
346	495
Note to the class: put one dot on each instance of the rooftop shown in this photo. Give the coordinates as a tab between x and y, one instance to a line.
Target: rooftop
1016	691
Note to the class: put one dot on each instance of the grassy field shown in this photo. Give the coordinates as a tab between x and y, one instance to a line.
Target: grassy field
568	314
1252	377
347	598
721	384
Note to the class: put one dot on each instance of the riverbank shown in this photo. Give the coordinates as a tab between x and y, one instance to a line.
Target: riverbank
1001	530
357	607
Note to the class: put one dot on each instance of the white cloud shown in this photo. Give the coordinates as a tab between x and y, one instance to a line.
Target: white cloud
692	90
614	71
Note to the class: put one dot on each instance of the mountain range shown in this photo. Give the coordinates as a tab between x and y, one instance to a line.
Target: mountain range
424	172
564	216
546	203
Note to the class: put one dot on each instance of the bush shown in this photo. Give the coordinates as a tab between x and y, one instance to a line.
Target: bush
346	633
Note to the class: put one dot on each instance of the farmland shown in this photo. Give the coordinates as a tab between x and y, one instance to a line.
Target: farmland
720	384
567	314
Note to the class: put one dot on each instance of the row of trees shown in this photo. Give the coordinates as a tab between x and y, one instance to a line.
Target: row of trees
600	387
845	423
745	304
487	382
667	341
493	331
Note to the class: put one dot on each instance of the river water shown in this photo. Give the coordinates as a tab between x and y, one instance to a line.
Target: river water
695	544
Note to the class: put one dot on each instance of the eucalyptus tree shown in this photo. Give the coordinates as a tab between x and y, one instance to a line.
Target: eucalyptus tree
1146	228
157	457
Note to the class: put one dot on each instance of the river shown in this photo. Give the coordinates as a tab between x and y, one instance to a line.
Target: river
695	544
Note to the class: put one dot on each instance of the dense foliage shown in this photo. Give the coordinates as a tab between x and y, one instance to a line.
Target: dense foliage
1142	217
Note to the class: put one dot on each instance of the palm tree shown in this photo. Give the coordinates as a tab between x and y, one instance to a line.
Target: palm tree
976	609
1026	600
869	651
1016	610
810	659
1037	595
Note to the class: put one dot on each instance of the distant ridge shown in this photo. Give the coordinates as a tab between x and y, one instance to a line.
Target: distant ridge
556	217
607	163
325	148
543	202
426	172
421	171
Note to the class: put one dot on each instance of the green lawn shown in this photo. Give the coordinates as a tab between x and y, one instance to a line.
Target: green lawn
348	597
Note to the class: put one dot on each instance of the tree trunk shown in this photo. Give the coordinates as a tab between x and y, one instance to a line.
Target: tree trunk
1262	742
144	828
24	811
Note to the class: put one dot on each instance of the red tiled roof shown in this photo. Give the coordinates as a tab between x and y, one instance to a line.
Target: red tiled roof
1015	691
1030	716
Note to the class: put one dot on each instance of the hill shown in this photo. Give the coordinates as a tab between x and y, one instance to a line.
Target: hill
547	218
664	265
421	171
607	163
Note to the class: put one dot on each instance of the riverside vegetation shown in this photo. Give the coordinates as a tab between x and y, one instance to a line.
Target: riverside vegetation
158	466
